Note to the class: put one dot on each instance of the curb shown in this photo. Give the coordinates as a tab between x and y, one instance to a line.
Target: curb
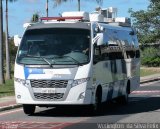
150	80
10	107
20	105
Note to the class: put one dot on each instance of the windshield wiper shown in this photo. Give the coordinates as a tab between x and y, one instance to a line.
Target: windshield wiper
76	61
44	59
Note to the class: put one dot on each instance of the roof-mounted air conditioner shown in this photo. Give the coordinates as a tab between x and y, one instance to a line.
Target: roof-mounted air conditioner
123	20
96	17
84	15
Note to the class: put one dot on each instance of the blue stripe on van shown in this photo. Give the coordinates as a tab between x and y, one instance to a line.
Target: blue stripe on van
28	71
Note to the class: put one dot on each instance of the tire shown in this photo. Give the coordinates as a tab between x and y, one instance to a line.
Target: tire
97	106
124	99
29	109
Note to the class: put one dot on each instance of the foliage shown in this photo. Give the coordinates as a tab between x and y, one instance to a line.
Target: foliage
150	52
147	22
58	2
13	50
145	71
150	57
1	41
35	17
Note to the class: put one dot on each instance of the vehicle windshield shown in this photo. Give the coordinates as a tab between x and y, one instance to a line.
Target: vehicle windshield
55	47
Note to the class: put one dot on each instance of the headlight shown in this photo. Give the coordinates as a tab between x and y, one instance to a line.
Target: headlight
79	81
22	81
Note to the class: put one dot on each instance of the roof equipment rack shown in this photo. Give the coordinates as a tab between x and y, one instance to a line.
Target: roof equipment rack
61	18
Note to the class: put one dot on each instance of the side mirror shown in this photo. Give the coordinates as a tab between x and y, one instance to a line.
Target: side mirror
98	39
17	40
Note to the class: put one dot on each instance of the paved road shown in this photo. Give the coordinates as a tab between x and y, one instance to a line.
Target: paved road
143	107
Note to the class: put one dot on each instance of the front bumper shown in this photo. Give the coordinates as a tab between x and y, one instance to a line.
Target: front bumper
78	95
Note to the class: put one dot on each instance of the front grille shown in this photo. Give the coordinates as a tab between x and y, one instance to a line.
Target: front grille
49	83
50	96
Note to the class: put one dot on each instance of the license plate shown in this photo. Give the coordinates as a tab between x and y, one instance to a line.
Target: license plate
44	90
48	91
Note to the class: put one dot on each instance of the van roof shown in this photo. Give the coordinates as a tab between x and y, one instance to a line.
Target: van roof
41	25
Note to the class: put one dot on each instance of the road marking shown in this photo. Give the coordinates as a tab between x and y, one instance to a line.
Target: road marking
9	112
33	125
38	125
148	92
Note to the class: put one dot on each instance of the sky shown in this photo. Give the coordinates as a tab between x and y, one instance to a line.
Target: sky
21	11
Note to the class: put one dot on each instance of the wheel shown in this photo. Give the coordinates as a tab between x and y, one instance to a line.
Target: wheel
29	109
97	106
124	99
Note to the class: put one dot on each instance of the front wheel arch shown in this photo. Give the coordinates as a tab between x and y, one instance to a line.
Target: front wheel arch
98	99
124	98
128	88
99	93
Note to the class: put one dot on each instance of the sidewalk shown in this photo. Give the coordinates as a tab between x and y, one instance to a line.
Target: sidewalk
150	78
7	103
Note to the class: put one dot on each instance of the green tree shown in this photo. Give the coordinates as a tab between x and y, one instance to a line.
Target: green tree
13	50
1	44
150	57
8	64
58	2
35	17
147	22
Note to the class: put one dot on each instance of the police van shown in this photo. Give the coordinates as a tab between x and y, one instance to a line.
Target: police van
78	59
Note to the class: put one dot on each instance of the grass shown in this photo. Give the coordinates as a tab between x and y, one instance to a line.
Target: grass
149	71
7	89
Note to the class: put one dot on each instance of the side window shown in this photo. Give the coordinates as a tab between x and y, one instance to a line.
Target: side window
116	55
97	51
112	37
135	41
104	52
127	43
97	54
124	38
131	54
137	54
